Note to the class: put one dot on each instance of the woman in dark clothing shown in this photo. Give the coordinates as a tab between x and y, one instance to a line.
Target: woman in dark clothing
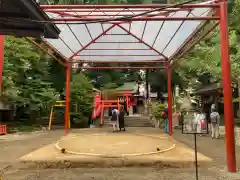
125	108
121	119
206	110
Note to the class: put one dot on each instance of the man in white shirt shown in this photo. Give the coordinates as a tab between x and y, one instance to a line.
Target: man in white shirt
114	119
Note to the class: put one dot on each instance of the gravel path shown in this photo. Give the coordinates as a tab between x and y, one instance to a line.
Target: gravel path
214	148
121	174
14	146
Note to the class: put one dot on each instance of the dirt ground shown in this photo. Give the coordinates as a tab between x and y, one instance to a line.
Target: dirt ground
16	146
120	174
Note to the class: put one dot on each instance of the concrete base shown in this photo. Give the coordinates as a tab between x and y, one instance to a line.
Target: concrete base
169	154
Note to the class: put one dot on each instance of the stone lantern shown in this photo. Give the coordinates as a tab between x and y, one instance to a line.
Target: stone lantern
187	116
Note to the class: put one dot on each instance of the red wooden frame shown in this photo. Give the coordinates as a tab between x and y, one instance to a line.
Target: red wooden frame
1	60
121	67
221	17
220	6
227	89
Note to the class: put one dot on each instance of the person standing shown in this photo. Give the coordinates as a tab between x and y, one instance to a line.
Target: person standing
121	119
201	123
114	119
126	110
215	122
165	117
134	105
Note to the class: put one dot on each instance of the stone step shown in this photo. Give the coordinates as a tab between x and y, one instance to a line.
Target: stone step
132	121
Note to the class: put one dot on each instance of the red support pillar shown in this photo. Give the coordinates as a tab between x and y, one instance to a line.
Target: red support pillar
227	89
169	100
68	75
1	60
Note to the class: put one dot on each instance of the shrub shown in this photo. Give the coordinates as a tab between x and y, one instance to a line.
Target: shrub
157	110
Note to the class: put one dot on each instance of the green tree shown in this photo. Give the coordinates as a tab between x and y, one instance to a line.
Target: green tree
81	97
26	79
25	75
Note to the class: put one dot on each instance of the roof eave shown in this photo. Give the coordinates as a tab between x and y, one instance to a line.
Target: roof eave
51	30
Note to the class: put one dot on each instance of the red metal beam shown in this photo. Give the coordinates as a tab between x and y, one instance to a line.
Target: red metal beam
68	75
116	42
146	44
227	90
66	20
118	49
108	29
105	15
117	61
111	105
110	101
2	39
112	55
114	10
122	67
94	14
116	35
131	6
169	85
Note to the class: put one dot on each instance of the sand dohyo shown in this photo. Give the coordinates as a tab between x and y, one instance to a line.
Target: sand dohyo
102	148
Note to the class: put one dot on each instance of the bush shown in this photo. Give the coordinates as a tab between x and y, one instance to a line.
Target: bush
157	110
81	99
78	120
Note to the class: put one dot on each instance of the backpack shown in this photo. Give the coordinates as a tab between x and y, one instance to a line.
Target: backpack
214	117
164	115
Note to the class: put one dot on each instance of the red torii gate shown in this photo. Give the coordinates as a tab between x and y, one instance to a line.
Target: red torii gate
123	17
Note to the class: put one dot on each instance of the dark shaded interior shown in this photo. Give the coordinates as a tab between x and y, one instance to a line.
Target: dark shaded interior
21	18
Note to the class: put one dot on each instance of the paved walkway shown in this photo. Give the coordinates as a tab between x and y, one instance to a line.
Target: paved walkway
213	148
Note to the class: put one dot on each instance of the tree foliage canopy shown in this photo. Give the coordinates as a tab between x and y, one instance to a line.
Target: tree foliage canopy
26	75
203	64
32	79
